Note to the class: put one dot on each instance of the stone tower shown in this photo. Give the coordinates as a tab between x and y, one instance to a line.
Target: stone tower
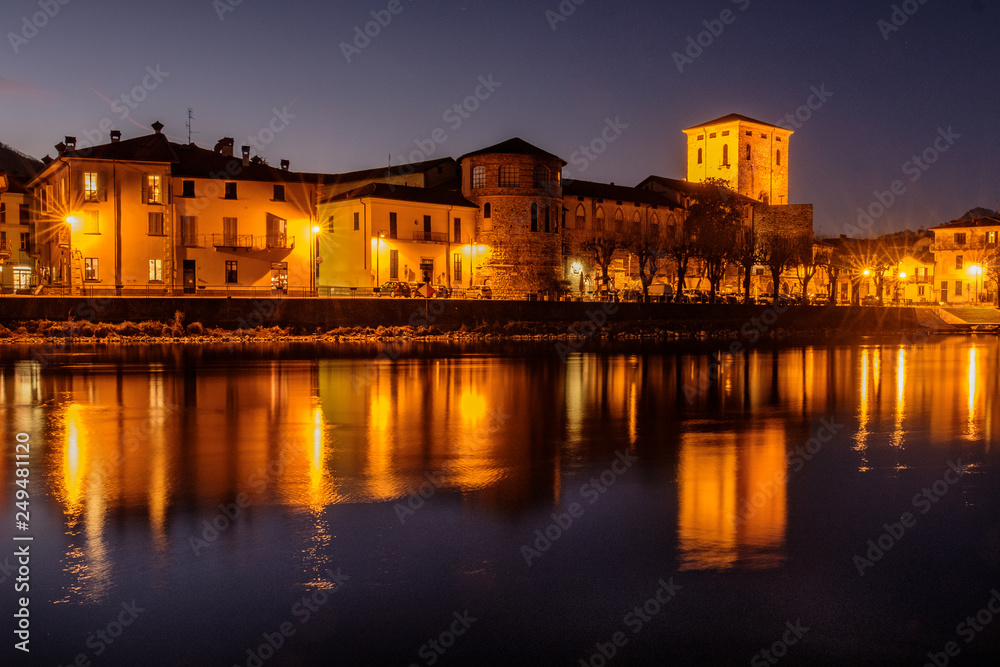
750	154
518	188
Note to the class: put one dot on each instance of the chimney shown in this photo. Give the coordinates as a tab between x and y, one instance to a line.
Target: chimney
224	147
116	136
60	148
71	143
284	165
246	156
157	126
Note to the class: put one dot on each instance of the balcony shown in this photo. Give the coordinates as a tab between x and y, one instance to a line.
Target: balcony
431	237
239	241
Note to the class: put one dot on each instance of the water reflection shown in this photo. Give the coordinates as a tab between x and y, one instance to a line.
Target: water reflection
168	440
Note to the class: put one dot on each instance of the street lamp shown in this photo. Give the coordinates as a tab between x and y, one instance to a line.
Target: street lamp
902	278
975	270
472	264
314	260
378	252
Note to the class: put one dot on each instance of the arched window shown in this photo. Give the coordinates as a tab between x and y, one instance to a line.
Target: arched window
619	219
479	177
699	156
508	176
636	219
777	157
725	154
748	151
599	224
581	217
654	226
545	217
534	217
487	211
541	176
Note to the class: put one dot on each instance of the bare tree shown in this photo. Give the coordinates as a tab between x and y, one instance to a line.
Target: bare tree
649	248
746	255
778	253
715	220
681	250
600	249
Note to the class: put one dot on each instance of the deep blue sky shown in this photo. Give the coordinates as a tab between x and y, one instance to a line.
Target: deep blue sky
607	60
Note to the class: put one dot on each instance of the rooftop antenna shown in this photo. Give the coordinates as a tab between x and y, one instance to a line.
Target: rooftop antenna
190	118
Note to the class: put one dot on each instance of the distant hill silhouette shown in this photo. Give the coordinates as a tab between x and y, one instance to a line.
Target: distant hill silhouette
980	212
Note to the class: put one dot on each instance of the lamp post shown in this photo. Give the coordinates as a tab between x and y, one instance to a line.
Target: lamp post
902	279
378	251
976	270
314	260
472	264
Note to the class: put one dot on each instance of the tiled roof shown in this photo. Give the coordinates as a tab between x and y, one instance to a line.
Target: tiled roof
975	222
515	146
380	172
616	192
731	118
147	148
404	193
196	162
691	188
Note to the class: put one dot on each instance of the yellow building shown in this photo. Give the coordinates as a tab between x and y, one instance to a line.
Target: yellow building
964	250
17	262
381	232
148	216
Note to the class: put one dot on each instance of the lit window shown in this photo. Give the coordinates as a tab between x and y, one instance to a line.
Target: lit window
231	273
508	176
991	237
156	270
479	177
90	271
154	194
457	271
90	186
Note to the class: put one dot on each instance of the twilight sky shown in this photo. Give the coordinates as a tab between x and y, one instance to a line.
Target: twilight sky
889	94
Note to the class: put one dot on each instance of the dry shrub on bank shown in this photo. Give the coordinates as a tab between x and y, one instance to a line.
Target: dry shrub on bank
195	329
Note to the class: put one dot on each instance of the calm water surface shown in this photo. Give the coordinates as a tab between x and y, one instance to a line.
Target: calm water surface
506	507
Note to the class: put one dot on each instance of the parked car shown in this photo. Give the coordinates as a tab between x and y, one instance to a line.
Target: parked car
869	300
479	292
393	288
438	291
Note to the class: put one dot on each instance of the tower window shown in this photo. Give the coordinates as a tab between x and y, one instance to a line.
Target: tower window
748	151
777	157
508	176
487	211
541	176
479	177
699	156
725	155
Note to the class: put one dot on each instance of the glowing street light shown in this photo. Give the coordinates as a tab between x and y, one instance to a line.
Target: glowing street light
975	270
378	252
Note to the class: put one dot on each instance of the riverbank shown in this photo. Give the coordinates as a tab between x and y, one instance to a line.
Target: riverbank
39	318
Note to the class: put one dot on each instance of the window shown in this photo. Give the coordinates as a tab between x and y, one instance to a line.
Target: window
479	177
508	176
960	239
748	151
699	156
89	186
154	194
427	228
777	138
725	155
393	265
726	133
279	193
487	211
777	157
90	271
920	290
991	237
958	288
25	242
392	227
47	200
357	221
229	232
457	271
92	223
654	226
187	189
700	137
156	224
189	230
156	270
3	213
619	220
545	216
599	223
712	135
534	217
541	176
749	133
458	230
232	275
763	136
23	214
959	263
329	223
230	191
581	217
